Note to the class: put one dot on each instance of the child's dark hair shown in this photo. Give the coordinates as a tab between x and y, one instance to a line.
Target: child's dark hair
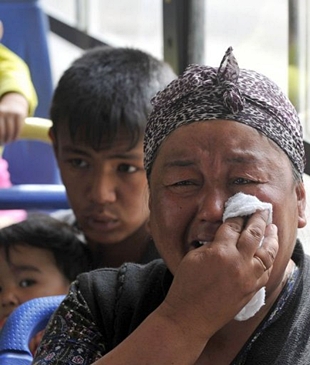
72	256
107	89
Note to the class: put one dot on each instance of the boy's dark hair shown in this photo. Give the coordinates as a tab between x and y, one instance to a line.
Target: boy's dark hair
107	89
71	255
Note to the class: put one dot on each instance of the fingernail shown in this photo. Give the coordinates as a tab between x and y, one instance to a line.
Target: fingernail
273	228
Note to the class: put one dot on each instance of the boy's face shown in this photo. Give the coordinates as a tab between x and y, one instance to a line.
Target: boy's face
107	188
31	273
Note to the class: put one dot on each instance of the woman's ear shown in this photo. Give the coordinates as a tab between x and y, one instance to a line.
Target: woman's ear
150	201
148	222
301	204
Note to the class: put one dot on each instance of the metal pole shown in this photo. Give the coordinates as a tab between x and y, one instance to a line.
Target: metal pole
293	55
183	22
81	15
196	31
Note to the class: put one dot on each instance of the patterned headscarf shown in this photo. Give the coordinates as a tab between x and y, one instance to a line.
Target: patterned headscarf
245	96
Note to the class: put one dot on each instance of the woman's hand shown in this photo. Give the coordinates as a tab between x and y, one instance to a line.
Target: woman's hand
215	281
211	285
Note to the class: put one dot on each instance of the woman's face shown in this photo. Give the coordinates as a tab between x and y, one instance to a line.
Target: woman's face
199	166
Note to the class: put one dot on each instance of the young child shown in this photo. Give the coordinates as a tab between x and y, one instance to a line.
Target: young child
99	111
39	257
18	100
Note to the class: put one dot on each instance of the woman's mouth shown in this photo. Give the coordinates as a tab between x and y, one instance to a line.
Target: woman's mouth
197	244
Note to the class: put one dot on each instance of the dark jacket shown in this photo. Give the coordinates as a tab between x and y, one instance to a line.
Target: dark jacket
106	305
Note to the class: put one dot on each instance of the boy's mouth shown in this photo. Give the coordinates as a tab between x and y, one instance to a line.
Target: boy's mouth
2	321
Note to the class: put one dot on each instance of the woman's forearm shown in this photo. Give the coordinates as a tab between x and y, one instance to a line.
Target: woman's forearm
160	339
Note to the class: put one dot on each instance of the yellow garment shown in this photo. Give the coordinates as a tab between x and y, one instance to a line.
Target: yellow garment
15	77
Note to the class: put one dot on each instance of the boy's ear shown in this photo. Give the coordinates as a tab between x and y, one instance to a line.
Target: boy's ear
52	136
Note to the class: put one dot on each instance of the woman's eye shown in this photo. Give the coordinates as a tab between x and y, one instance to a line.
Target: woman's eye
127	168
183	183
26	283
242	181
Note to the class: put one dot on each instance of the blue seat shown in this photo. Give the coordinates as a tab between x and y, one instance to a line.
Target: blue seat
31	162
26	28
31	158
34	173
45	197
24	323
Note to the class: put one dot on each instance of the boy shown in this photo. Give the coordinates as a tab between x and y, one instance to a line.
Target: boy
39	257
99	111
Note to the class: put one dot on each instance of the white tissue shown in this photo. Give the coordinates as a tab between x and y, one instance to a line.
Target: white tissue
253	306
242	205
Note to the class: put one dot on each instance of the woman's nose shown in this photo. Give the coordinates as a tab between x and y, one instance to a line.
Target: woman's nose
211	206
103	189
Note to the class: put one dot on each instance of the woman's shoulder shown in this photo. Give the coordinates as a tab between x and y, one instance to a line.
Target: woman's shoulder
131	274
125	295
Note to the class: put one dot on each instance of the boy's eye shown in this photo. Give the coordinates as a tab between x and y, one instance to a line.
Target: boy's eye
127	168
26	283
78	162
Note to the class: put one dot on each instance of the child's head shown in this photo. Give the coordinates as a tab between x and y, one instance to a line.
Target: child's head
108	91
99	112
39	257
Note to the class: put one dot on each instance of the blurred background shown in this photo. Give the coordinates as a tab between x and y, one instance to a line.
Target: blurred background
272	37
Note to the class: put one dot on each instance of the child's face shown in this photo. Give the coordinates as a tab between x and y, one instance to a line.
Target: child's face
31	273
107	188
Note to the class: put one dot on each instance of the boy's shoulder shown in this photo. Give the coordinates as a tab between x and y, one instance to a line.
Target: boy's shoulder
65	215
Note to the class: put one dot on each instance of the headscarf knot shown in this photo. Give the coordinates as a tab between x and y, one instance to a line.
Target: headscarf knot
227	76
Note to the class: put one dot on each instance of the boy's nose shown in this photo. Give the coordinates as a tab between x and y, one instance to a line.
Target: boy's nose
8	298
103	189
